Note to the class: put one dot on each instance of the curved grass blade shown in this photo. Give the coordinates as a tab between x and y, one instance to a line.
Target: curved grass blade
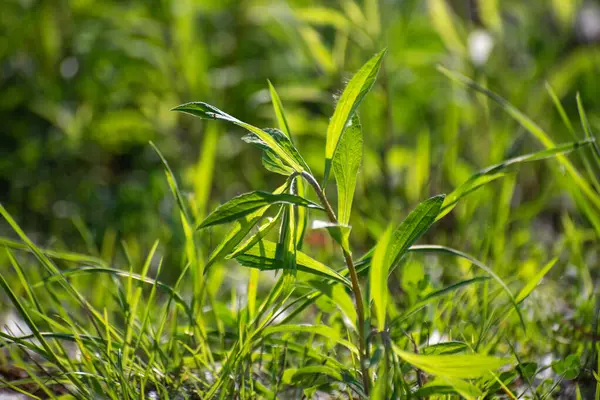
529	125
360	84
123	274
53	254
477	263
279	113
438	294
245	204
587	129
500	170
206	111
533	282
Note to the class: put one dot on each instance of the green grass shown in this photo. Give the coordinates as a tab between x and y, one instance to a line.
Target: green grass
433	233
312	329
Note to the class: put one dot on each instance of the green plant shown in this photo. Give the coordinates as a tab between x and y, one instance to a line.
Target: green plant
194	344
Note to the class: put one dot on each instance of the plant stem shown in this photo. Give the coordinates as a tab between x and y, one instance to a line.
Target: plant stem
360	311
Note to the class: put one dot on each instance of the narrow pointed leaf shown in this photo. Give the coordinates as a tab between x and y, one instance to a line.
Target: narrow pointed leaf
286	247
360	84
528	288
279	113
461	366
380	266
245	204
272	157
206	111
263	230
263	257
346	163
414	226
238	232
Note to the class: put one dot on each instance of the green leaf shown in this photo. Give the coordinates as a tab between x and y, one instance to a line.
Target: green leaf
346	163
527	289
587	129
500	170
321	330
245	204
380	266
338	295
271	160
322	16
360	84
293	375
263	230
444	348
462	366
444	386
409	231
206	111
279	113
339	233
414	226
569	368
286	247
239	231
263	257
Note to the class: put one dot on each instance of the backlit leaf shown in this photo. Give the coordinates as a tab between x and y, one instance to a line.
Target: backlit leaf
360	84
206	111
346	163
245	204
263	257
461	366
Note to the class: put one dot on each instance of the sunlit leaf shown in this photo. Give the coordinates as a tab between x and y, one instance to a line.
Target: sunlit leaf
380	266
360	84
533	282
346	163
206	111
271	159
461	366
263	257
245	204
279	113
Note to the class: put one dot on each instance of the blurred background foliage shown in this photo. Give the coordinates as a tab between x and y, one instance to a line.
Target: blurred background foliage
84	85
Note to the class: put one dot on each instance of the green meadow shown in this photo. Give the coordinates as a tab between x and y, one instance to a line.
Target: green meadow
299	199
